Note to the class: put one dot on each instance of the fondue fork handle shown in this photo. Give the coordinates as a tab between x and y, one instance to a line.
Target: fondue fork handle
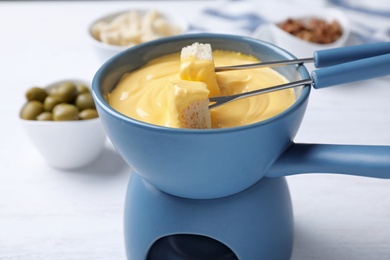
323	58
352	71
334	56
358	160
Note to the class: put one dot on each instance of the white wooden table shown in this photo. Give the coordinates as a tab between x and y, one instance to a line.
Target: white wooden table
52	214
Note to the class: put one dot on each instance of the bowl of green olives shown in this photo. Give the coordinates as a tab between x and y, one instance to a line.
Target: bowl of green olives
62	122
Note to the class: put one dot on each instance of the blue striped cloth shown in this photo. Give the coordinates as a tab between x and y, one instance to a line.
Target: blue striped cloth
243	17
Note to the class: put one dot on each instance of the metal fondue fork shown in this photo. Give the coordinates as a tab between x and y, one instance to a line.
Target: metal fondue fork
264	64
339	66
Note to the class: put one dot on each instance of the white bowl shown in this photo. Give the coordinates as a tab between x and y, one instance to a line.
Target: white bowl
106	51
66	144
299	47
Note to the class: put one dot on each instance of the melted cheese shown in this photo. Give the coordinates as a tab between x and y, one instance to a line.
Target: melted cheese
142	94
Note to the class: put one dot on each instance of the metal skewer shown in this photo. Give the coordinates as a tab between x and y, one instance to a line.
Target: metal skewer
218	101
264	64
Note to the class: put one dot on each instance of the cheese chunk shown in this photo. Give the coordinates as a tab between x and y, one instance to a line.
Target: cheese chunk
188	104
197	64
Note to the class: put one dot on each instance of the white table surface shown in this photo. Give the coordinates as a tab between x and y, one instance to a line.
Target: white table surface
52	214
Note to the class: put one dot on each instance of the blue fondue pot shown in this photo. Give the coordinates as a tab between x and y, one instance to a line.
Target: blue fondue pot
219	193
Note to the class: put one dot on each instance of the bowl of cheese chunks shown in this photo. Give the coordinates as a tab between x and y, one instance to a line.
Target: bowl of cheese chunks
115	32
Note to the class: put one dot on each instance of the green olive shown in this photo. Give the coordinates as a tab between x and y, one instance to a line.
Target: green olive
31	110
65	112
88	113
66	92
45	116
36	93
50	102
84	101
52	91
82	89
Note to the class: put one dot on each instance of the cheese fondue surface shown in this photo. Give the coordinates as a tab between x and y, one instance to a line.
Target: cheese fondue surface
142	94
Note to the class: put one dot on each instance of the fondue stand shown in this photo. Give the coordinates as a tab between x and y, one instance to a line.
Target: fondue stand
224	228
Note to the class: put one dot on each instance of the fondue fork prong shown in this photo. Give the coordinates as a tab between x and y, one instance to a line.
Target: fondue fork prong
264	64
218	101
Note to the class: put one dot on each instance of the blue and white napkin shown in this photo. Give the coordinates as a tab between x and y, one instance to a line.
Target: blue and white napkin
369	19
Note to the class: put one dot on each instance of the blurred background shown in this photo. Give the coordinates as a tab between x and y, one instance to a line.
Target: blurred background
49	213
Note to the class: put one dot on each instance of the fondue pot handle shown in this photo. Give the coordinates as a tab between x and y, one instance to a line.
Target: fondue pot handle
360	160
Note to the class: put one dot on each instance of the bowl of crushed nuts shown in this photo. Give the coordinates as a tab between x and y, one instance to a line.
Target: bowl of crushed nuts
114	33
307	32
